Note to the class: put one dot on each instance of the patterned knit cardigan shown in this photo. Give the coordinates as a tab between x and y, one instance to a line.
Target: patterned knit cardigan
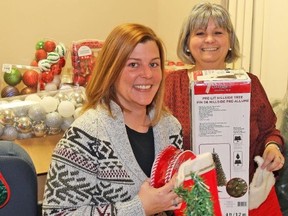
93	169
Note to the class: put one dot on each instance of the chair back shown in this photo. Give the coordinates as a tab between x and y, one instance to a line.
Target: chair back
18	181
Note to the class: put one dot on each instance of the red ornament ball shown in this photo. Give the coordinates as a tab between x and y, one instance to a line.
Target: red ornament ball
49	46
56	69
47	77
79	80
9	91
30	78
34	63
62	62
40	54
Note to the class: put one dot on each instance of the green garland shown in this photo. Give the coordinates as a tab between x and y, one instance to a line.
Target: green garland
197	198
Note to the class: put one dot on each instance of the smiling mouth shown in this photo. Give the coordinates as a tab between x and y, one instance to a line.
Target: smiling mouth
143	87
209	49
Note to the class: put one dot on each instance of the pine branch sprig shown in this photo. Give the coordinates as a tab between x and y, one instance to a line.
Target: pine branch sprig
197	197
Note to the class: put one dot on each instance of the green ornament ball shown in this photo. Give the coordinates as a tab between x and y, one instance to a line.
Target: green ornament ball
13	77
39	45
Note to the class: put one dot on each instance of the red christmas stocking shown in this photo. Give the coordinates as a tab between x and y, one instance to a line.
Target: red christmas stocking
198	176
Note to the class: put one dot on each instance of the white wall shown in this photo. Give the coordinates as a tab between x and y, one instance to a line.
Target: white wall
171	15
23	23
274	70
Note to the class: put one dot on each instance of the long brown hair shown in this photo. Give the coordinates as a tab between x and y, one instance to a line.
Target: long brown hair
111	60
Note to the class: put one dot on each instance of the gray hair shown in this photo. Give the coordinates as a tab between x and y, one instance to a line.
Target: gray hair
198	19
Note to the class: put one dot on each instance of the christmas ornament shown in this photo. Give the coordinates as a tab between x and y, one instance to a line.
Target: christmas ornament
66	109
9	133
61	96
53	120
61	49
53	57
57	80
39	45
50	87
77	98
40	54
24	135
66	123
33	98
13	77
28	90
39	129
23	124
30	78
53	131
49	46
44	65
19	108
37	113
9	91
47	76
77	112
49	103
7	117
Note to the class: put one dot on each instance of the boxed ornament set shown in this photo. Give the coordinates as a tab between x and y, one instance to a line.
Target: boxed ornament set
50	58
19	80
39	114
220	101
83	57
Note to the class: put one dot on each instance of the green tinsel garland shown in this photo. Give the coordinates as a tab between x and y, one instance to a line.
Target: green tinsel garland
197	198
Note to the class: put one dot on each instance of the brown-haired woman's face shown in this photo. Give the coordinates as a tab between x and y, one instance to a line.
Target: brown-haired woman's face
209	46
141	76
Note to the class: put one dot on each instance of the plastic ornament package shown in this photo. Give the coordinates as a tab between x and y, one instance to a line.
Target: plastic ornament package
50	58
39	114
19	80
83	57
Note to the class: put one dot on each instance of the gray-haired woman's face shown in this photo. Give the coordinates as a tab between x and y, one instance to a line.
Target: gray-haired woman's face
209	46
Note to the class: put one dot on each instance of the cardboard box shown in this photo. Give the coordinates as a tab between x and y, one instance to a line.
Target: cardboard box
221	125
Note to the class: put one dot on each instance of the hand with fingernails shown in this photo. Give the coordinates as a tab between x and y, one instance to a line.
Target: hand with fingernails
273	158
155	200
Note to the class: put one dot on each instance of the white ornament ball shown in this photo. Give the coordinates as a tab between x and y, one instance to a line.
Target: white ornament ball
53	57
50	87
49	103
57	80
66	109
44	65
77	112
61	49
33	98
